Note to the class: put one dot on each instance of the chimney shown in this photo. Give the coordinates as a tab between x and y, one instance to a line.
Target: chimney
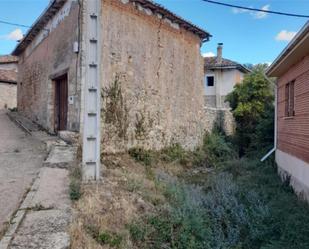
219	53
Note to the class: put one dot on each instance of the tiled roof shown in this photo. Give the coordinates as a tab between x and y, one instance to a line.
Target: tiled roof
212	63
159	9
56	5
4	59
8	76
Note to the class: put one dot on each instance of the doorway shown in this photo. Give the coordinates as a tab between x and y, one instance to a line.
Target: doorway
61	103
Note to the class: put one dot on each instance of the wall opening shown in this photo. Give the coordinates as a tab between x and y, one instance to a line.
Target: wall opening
61	103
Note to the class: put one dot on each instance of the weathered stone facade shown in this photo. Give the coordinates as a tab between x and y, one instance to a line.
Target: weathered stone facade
157	70
47	57
7	95
151	75
220	118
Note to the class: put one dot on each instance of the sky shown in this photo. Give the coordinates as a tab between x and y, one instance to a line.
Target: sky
248	37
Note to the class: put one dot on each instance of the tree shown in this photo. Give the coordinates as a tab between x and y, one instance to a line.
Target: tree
252	104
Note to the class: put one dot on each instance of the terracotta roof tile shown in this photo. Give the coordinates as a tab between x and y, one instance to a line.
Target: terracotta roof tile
56	5
8	76
212	63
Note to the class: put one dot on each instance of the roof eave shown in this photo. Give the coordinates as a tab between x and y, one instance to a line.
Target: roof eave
239	67
38	25
203	34
288	50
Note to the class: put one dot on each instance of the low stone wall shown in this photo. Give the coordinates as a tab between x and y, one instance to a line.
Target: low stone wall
219	117
8	95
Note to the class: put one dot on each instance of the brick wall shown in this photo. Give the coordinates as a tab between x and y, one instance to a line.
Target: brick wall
41	60
7	95
160	71
293	132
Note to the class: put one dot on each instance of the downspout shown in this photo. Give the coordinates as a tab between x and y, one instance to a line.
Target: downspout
275	125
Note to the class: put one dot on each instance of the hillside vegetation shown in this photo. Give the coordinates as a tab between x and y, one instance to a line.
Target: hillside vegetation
219	196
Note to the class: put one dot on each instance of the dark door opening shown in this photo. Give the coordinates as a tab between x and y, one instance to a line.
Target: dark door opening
61	103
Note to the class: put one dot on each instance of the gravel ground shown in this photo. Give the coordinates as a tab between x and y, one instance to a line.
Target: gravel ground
21	157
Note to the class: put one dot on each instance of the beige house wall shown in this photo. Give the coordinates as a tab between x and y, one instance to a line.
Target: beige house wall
160	73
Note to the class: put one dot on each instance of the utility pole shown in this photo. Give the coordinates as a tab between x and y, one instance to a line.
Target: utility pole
91	80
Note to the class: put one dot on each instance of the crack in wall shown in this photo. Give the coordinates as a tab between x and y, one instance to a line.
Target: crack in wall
159	48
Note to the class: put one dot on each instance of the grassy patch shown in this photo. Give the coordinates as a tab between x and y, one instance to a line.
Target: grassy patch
75	188
112	239
146	157
214	151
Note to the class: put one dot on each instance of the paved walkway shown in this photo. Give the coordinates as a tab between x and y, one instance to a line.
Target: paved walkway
21	157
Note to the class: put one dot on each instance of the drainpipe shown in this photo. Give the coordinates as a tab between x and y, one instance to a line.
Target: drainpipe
275	124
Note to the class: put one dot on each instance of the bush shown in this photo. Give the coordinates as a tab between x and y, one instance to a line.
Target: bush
75	188
145	157
181	224
249	102
214	151
111	239
175	153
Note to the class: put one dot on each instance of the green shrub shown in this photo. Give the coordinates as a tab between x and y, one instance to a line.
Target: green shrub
137	231
75	190
214	151
182	224
111	239
104	237
175	153
145	157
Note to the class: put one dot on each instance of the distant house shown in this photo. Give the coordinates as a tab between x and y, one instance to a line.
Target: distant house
292	116
221	75
121	73
8	81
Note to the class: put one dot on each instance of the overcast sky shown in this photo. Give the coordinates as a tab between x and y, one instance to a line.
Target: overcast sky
248	37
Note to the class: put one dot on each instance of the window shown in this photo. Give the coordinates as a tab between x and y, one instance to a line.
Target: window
289	99
210	80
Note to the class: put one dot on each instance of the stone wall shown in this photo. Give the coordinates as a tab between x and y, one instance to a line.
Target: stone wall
7	95
222	118
46	56
152	81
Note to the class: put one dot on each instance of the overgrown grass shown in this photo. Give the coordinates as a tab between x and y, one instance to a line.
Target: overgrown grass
214	151
242	204
75	189
146	157
109	238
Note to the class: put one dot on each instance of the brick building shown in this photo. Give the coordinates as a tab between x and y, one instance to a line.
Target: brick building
121	73
8	80
292	120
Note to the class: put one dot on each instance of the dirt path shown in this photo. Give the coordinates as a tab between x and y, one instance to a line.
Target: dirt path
21	157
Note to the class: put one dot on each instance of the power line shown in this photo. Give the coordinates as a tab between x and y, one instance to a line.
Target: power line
15	24
254	9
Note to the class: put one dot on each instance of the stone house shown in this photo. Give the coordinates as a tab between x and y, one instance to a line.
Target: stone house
120	73
221	75
8	81
292	112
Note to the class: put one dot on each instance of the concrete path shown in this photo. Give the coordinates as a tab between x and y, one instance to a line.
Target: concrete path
47	214
43	216
21	157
